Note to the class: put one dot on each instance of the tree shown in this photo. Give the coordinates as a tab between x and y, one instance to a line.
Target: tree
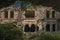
53	3
46	37
5	3
10	32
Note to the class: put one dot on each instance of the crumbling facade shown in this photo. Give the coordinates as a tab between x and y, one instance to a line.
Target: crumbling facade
40	19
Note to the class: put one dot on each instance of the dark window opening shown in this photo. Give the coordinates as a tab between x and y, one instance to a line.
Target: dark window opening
53	27
30	14
47	14
47	27
26	28
11	14
58	26
6	14
42	28
32	29
37	28
53	14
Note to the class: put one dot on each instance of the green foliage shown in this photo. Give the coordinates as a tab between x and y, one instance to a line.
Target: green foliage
5	3
9	32
46	37
57	37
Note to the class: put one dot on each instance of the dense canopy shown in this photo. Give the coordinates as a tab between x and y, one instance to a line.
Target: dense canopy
53	3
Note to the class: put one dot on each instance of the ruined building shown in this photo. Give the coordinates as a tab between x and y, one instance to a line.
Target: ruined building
40	19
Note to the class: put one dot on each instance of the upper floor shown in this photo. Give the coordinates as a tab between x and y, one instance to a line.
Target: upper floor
11	13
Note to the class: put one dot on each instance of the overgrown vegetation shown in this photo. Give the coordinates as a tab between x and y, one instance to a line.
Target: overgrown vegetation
53	3
45	36
10	32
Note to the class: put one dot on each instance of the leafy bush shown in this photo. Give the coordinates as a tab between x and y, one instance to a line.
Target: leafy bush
57	37
46	37
10	32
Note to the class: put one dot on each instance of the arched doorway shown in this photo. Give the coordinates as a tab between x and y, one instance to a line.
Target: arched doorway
53	27
48	27
32	29
26	29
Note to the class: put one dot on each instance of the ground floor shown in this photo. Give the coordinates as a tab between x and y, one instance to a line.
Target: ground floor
32	26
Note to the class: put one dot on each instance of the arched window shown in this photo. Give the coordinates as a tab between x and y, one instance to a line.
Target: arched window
26	29
48	27
53	27
47	14
11	14
6	14
32	29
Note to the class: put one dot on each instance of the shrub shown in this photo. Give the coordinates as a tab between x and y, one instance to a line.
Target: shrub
9	32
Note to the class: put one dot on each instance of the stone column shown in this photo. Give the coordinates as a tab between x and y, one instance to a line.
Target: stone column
50	14
2	15
51	29
45	26
8	14
56	27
